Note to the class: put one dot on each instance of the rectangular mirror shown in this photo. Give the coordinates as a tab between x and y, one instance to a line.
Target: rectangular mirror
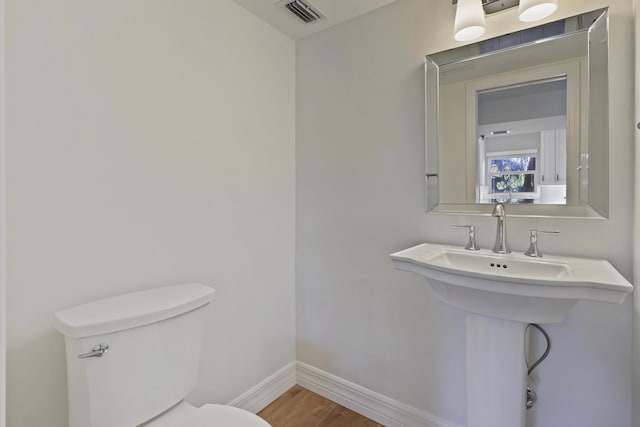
521	119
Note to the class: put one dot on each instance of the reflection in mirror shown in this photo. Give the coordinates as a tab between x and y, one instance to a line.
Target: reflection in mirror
521	143
509	120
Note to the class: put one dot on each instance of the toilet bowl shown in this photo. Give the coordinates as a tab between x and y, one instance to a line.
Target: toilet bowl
132	359
184	415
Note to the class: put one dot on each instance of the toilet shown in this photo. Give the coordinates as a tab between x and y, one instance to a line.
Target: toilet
132	359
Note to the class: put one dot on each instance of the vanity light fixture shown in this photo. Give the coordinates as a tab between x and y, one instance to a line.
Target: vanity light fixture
470	14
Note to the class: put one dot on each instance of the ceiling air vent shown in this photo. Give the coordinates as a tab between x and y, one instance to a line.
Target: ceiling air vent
304	10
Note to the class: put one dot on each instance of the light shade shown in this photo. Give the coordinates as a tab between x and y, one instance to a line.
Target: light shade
469	23
533	10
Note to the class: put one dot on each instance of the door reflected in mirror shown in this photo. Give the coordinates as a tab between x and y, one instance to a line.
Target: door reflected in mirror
521	143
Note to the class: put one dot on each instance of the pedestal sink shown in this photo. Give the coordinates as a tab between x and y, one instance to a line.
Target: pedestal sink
501	294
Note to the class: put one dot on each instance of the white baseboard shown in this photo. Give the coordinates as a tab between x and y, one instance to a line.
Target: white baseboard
379	408
375	406
261	395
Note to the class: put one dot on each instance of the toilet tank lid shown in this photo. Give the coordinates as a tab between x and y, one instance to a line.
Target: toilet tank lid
131	310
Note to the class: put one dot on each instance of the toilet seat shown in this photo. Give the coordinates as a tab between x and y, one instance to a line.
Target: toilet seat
185	415
227	416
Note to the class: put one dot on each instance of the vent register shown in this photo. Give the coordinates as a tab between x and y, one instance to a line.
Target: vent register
303	10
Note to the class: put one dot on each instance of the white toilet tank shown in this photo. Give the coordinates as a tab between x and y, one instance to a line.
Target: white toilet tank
154	341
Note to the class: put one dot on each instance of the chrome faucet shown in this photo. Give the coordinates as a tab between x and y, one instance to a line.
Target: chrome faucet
501	246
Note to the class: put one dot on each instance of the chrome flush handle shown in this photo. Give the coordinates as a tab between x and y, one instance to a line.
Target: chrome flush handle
97	351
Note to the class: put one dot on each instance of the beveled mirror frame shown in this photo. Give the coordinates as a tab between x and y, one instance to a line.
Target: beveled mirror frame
592	170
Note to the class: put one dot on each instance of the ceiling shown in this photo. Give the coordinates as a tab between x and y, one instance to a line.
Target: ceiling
336	11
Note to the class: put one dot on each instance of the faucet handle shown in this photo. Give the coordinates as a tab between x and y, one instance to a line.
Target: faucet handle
533	250
471	244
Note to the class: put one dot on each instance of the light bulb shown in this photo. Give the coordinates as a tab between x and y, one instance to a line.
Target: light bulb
469	23
534	10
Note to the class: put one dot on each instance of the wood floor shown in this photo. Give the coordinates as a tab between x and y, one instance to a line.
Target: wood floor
299	407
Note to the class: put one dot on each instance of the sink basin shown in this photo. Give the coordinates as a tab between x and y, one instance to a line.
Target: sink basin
513	286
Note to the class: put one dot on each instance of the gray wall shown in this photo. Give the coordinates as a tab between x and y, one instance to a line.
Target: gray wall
360	175
148	143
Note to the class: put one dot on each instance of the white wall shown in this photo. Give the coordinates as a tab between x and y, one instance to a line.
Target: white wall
3	270
148	143
636	233
360	175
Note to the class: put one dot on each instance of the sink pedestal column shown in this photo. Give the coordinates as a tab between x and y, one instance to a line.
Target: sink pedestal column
496	372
